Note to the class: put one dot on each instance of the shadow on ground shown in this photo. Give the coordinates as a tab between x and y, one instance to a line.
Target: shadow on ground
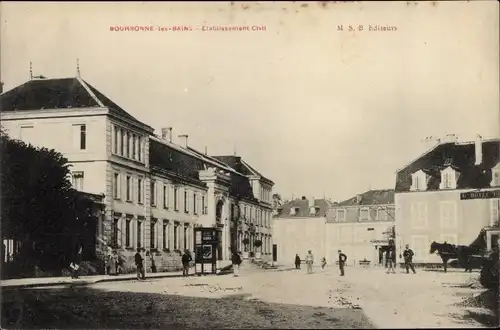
482	308
80	307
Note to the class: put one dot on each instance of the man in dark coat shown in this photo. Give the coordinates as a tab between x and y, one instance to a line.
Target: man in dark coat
186	259
139	265
408	257
297	261
342	260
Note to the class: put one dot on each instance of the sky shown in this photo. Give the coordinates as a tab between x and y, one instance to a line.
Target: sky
321	112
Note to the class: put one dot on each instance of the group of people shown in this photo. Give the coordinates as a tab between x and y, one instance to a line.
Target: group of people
310	261
390	261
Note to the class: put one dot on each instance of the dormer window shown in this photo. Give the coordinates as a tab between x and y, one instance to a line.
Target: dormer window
419	181
495	176
448	179
294	211
364	214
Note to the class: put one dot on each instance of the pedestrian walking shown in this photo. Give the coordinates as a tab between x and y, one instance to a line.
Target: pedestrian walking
309	262
408	258
342	260
236	261
323	263
297	261
139	264
186	259
75	264
391	260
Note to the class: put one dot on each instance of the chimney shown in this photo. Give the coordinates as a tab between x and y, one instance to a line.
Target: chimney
1	87
185	136
479	149
451	138
166	133
206	152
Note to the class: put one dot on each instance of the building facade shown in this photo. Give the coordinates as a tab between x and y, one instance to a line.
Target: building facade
428	199
361	226
299	227
155	191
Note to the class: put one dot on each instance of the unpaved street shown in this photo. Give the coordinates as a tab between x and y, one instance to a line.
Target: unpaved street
365	298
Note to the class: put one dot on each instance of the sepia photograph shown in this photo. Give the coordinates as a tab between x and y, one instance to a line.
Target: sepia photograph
249	165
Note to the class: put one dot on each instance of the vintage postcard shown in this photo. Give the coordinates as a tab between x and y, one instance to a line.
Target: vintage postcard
293	164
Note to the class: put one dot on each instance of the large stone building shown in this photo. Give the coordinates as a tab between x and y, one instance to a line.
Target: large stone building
361	226
155	191
298	227
428	199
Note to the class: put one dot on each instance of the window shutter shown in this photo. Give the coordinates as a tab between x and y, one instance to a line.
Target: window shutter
494	211
120	232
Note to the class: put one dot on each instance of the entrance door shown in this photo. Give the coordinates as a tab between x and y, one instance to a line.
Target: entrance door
219	244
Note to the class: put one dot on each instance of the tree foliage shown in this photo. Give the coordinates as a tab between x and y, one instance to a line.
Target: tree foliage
39	207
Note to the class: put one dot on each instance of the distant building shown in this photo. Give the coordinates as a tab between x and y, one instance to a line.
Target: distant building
299	227
155	191
428	195
361	226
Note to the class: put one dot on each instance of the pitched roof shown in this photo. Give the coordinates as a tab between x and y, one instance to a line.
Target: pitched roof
371	197
188	162
461	157
61	93
240	165
303	208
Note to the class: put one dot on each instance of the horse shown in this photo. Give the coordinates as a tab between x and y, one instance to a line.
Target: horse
463	253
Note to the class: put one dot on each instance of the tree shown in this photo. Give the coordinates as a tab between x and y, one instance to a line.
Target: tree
39	207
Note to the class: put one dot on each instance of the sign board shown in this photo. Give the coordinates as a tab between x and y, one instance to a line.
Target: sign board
206	241
488	194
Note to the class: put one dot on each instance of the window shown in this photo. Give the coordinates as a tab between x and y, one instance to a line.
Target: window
116	185
139	149
185	237
419	215
129	188
186	201
495	212
139	233
447	180
83	137
134	154
152	236
448	214
128	232
140	184
80	136
417	182
116	134
381	214
26	133
126	144
123	142
176	197
165	196
195	209
203	207
176	232
364	214
495	177
341	216
115	231
166	234
153	193
77	180
130	145
118	140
